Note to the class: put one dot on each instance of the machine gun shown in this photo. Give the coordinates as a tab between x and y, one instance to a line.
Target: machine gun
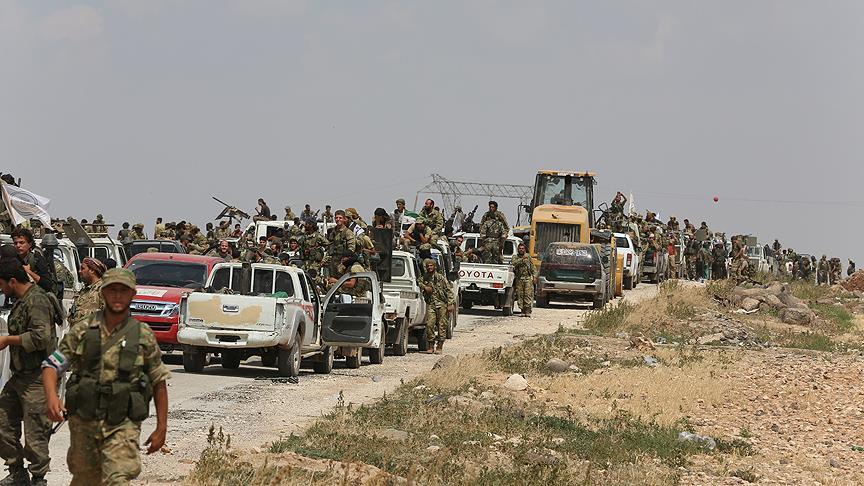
469	226
230	212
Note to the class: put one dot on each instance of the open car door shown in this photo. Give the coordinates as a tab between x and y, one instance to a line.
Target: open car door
352	317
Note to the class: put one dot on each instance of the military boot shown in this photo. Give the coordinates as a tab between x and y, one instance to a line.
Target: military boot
440	347
430	349
18	476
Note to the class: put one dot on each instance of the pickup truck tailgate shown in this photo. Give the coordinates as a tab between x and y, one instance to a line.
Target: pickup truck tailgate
226	311
482	275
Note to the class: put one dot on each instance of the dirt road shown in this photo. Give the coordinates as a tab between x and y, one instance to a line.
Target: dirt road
255	406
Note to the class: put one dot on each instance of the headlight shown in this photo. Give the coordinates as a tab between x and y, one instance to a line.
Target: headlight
171	310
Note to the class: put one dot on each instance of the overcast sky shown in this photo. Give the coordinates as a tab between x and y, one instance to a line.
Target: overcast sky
139	109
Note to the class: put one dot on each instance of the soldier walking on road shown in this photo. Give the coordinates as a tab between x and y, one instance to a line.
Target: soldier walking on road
525	278
32	337
439	303
116	369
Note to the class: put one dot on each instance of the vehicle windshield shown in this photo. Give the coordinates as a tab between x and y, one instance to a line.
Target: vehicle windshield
621	242
137	248
398	268
754	251
168	273
562	190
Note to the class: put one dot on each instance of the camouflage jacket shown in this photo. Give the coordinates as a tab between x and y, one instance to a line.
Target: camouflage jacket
523	267
87	302
221	233
493	229
64	275
442	293
434	220
33	317
343	240
496	215
361	286
215	253
70	354
313	246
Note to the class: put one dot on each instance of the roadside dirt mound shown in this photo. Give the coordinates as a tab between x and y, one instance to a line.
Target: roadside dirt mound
854	282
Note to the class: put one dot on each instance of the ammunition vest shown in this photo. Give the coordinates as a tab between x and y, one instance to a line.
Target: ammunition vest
128	396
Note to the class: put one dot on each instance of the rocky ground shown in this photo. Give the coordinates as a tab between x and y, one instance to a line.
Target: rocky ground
691	385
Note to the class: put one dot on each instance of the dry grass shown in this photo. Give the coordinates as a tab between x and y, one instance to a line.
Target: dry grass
665	394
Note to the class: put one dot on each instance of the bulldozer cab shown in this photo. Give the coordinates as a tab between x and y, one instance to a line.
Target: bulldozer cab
565	189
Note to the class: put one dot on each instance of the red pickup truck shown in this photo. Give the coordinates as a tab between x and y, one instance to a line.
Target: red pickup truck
163	279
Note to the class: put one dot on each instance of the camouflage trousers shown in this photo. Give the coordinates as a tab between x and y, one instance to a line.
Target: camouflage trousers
672	270
103	454
690	262
523	290
492	252
23	402
736	270
436	322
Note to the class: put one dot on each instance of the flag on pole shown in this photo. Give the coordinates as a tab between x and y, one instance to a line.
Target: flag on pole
23	205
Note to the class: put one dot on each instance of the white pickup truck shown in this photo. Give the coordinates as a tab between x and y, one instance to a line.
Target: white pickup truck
404	307
281	318
486	283
624	245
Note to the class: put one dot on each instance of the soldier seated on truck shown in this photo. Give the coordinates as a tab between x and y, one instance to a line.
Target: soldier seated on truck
420	237
354	287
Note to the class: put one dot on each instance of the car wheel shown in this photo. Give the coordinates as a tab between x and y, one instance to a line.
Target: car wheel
288	360
400	347
194	360
507	306
542	300
230	360
269	359
353	361
467	304
325	365
598	302
628	283
376	355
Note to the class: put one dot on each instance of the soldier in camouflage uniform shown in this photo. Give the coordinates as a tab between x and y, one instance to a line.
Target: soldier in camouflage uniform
434	218
64	276
420	236
312	247
494	232
222	251
32	337
223	231
89	300
525	277
342	241
439	303
137	232
739	259
158	228
116	369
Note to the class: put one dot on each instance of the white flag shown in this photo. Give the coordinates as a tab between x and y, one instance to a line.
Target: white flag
23	205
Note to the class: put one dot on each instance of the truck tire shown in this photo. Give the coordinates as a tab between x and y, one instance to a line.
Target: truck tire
288	360
269	359
467	304
400	347
542	301
599	302
353	362
422	343
507	306
230	359
376	355
194	360
628	283
325	365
